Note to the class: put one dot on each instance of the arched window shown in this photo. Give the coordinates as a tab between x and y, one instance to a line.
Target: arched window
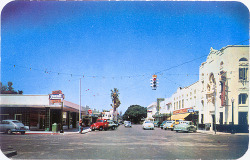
243	59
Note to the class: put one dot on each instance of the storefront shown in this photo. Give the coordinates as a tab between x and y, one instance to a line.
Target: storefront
187	114
39	112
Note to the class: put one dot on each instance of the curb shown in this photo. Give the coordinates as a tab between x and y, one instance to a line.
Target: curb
57	133
9	152
220	133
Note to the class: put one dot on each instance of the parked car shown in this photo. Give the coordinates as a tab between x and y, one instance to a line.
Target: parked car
162	124
157	123
168	125
100	125
127	124
185	126
112	125
10	126
147	125
176	122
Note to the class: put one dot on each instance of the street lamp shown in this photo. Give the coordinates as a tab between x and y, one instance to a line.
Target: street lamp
232	115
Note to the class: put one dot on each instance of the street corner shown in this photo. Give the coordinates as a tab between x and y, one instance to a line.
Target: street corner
6	153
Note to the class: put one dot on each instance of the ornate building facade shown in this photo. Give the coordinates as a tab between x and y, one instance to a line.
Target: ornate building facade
224	81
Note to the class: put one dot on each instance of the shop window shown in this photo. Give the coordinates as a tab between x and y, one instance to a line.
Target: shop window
242	98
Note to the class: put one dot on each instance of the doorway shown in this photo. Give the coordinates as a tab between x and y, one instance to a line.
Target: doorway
18	117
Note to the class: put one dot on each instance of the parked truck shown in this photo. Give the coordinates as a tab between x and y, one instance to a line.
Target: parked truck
101	124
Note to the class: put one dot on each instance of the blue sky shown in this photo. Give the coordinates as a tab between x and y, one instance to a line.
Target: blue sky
114	45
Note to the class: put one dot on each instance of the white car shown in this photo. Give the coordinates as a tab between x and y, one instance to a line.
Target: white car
127	124
148	125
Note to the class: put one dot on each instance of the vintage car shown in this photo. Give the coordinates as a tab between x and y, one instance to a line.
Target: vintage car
157	123
10	126
162	124
168	125
148	125
112	125
127	124
176	122
185	126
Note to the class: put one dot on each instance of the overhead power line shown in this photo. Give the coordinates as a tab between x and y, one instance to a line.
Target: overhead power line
113	77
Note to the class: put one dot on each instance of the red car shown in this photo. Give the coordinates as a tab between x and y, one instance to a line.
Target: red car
101	124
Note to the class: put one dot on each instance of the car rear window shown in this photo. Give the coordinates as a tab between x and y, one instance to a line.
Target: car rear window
16	121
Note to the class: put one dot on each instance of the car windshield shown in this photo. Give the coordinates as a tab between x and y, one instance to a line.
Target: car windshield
100	121
148	122
169	122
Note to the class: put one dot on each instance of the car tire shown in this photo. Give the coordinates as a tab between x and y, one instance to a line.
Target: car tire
8	131
22	133
113	128
92	129
100	129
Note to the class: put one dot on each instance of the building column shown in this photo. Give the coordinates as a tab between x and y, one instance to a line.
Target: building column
47	118
74	119
68	119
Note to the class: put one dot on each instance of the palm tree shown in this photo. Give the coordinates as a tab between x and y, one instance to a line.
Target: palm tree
115	99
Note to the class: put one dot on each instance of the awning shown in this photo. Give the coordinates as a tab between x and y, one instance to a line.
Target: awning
179	116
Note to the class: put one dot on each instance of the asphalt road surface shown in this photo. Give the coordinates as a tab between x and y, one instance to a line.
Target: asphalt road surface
127	143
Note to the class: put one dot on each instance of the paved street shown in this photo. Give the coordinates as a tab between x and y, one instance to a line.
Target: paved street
127	143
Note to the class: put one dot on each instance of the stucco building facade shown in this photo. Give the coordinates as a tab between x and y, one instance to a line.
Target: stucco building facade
224	81
220	96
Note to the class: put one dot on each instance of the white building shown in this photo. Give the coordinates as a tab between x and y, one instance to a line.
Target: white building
110	114
185	101
151	110
224	81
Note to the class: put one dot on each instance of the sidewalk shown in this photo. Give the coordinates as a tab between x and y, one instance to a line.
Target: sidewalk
66	131
219	133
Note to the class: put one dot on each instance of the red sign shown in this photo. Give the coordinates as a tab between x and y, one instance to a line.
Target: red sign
90	111
223	94
56	97
57	92
185	110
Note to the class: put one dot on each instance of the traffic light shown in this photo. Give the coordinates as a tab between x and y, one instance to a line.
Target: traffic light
154	82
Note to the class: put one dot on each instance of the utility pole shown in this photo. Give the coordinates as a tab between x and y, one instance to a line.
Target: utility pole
232	116
80	107
214	109
61	131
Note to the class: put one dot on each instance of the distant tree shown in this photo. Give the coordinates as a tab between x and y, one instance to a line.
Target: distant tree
9	89
135	113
